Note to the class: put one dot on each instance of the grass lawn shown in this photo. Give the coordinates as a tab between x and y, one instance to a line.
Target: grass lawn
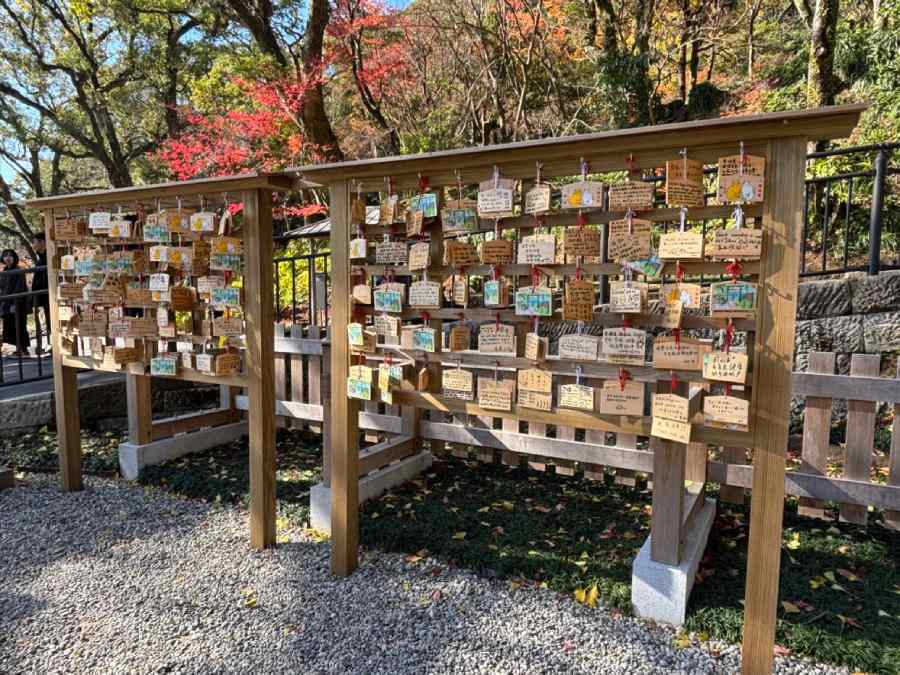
840	584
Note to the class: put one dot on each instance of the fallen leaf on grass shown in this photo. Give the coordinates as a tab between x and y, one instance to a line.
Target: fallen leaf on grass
459	535
682	641
781	651
848	575
794	542
587	596
790	607
849	621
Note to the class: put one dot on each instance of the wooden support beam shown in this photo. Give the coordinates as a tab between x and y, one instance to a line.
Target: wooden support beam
65	384
376	456
782	218
182	424
140	408
344	442
669	461
259	315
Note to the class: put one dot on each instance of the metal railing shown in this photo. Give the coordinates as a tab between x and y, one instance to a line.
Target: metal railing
302	288
29	363
845	215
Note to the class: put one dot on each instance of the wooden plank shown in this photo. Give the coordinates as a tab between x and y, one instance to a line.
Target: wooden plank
139	193
281	368
772	374
389	424
695	462
327	433
173	426
860	435
565	467
730	493
344	441
259	315
651	147
848	387
65	384
297	344
594	470
314	371
140	408
377	456
892	517
298	380
524	444
88	363
816	432
576	418
298	411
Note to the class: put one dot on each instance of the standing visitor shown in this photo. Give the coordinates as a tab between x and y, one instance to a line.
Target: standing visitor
13	310
39	283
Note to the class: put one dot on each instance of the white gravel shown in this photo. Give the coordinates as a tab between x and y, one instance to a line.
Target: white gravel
117	579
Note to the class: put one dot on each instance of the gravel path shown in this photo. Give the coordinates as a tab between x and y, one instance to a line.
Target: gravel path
122	579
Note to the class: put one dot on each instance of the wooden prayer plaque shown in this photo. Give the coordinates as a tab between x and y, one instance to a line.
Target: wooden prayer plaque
536	347
71	291
355	334
423	337
184	299
625	345
222	297
677	245
578	301
456	290
686	355
361	373
726	412
534	301
495	198
457	383
227	326
362	294
629	246
535	379
461	253
388	300
358	248
688	294
203	221
226	246
671	407
460	338
636	195
680	432
537	199
358	211
415	219
390	253
535	400
359	389
387	211
386	324
460	217
537	249
741	184
576	396
742	243
586	194
579	347
582	241
497	252
671	316
684	183
425	294
227	364
164	365
618	400
69	229
108	295
725	367
495	395
627	297
734	299
419	256
494	338
496	293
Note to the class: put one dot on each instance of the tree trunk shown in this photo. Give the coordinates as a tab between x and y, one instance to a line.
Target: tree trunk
315	119
822	85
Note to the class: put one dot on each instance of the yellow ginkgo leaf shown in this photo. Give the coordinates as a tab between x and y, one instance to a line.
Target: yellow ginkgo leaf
591	597
459	535
794	542
580	595
790	607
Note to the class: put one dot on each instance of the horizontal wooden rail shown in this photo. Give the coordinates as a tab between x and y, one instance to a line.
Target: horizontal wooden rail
293	409
381	454
171	426
849	387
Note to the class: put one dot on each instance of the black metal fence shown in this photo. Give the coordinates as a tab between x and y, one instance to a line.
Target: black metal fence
24	321
302	288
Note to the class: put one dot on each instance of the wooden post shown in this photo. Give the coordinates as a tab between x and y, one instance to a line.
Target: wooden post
782	216
668	492
65	383
816	433
344	442
860	436
140	408
892	518
259	313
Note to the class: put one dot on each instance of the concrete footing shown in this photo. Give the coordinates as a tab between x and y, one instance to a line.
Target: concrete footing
659	591
371	486
133	458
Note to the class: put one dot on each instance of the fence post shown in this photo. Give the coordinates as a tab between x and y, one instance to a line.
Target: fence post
875	214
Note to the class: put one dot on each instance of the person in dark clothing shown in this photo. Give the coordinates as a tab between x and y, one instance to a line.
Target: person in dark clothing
39	283
14	310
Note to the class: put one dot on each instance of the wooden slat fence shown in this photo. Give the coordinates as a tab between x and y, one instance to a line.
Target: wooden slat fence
302	389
